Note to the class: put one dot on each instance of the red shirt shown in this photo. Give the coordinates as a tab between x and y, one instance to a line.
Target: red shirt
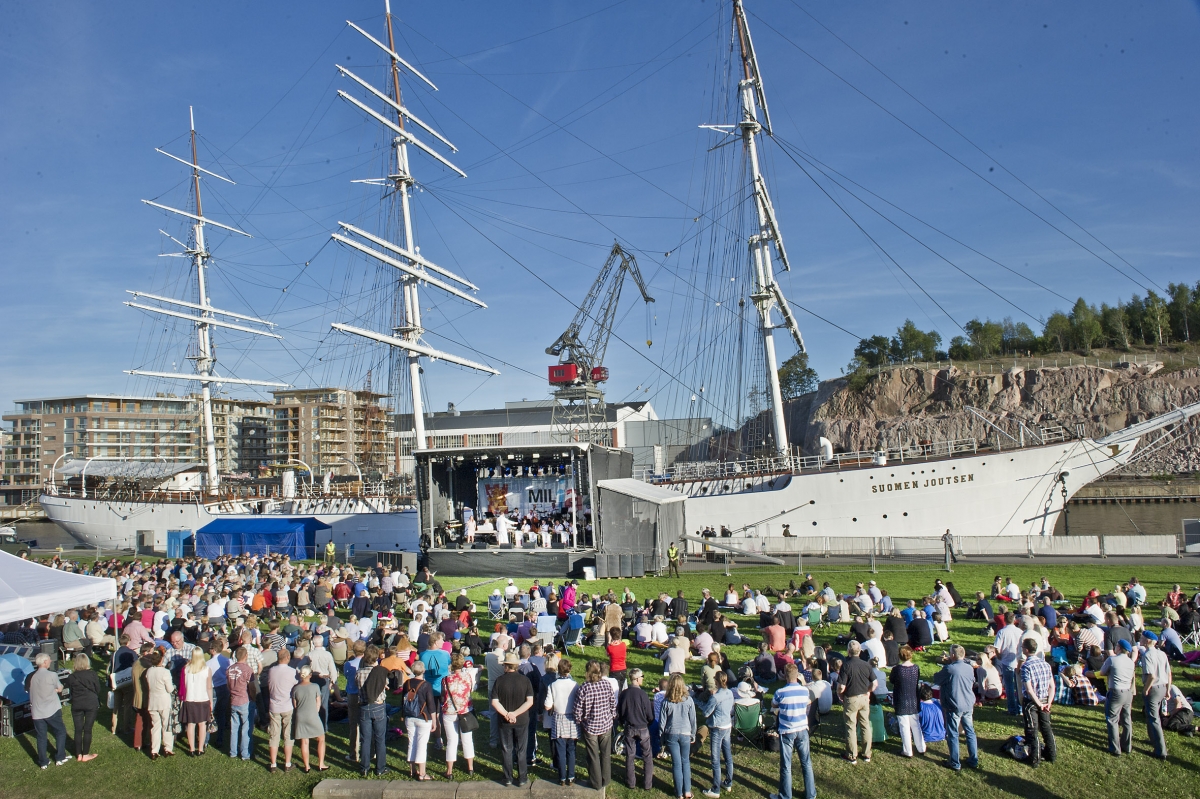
616	656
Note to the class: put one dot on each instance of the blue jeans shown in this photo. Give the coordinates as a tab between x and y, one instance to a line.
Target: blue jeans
1009	676
240	731
680	749
968	724
795	742
43	727
655	741
720	747
566	758
372	735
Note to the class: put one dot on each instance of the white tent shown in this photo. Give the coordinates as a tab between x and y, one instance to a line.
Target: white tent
29	589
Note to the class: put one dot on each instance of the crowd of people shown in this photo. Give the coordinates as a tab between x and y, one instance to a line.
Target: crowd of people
199	653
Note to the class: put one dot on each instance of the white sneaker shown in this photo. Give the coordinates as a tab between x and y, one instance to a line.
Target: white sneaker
711	794
63	761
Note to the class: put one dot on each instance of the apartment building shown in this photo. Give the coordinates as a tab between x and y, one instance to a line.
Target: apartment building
332	430
46	431
232	419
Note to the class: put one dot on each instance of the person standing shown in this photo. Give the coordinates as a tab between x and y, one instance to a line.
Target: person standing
1118	704
560	701
511	700
1008	649
595	712
281	679
372	681
905	677
46	709
238	677
791	704
856	683
350	668
197	701
160	695
122	659
677	729
673	560
306	718
1037	690
85	690
420	719
1156	683
636	713
719	712
957	681
456	704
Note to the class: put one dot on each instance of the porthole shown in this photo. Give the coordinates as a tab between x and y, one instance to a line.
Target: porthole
905	513
814	524
854	519
885	515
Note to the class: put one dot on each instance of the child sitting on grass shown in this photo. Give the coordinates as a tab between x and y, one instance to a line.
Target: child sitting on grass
933	725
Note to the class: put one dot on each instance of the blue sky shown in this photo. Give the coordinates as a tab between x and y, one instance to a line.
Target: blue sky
577	124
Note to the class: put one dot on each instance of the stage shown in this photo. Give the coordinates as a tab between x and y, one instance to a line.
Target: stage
516	563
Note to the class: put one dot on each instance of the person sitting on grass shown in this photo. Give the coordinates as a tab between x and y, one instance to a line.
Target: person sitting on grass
933	720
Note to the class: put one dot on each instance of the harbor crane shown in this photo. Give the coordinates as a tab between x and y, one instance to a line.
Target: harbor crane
579	412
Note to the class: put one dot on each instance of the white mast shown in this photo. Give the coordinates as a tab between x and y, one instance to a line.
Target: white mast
414	269
767	293
205	317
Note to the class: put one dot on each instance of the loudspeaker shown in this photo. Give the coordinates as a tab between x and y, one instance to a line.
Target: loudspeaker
557	545
506	546
479	545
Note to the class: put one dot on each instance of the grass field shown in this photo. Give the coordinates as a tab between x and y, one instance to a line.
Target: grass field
1083	766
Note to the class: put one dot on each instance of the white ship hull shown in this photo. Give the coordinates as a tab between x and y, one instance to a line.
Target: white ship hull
998	493
122	524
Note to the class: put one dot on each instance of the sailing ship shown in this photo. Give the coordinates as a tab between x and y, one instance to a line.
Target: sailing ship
963	487
142	500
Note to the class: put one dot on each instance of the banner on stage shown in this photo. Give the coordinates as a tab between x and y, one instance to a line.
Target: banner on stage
541	495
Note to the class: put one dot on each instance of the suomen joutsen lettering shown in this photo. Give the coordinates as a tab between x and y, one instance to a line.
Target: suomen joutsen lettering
931	482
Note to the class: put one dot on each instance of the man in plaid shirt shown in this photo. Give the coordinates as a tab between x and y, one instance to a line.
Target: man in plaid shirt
595	712
1037	687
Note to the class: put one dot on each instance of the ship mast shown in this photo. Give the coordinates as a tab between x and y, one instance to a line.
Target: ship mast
205	316
414	269
767	294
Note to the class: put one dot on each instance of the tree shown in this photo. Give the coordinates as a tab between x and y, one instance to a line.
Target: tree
1058	330
873	352
986	337
1178	308
911	343
1115	325
1156	322
1016	336
1085	328
796	377
960	349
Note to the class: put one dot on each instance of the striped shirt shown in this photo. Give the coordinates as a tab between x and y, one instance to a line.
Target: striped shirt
1036	673
791	703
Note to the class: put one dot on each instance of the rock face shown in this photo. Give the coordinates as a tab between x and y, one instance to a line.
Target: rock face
906	405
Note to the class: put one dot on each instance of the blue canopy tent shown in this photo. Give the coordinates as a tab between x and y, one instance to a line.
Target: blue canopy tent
258	535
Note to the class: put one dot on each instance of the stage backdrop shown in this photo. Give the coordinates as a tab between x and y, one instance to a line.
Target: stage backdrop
545	495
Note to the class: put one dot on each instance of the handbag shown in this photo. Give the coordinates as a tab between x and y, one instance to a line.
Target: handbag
467	722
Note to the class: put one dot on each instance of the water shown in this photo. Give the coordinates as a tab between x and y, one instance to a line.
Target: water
1150	519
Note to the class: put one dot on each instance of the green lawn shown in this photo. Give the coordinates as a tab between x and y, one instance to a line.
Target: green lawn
1083	766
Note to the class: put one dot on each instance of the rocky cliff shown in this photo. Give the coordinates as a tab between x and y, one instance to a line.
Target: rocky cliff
907	405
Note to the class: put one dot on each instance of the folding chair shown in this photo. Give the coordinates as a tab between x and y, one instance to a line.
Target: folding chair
748	726
572	638
496	609
816	621
1192	638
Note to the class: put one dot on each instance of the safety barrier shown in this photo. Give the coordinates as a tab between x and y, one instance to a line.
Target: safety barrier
1126	545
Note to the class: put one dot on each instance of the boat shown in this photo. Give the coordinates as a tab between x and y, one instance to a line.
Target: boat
1008	485
140	501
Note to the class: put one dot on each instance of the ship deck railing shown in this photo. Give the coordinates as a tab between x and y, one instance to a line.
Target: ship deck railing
692	471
